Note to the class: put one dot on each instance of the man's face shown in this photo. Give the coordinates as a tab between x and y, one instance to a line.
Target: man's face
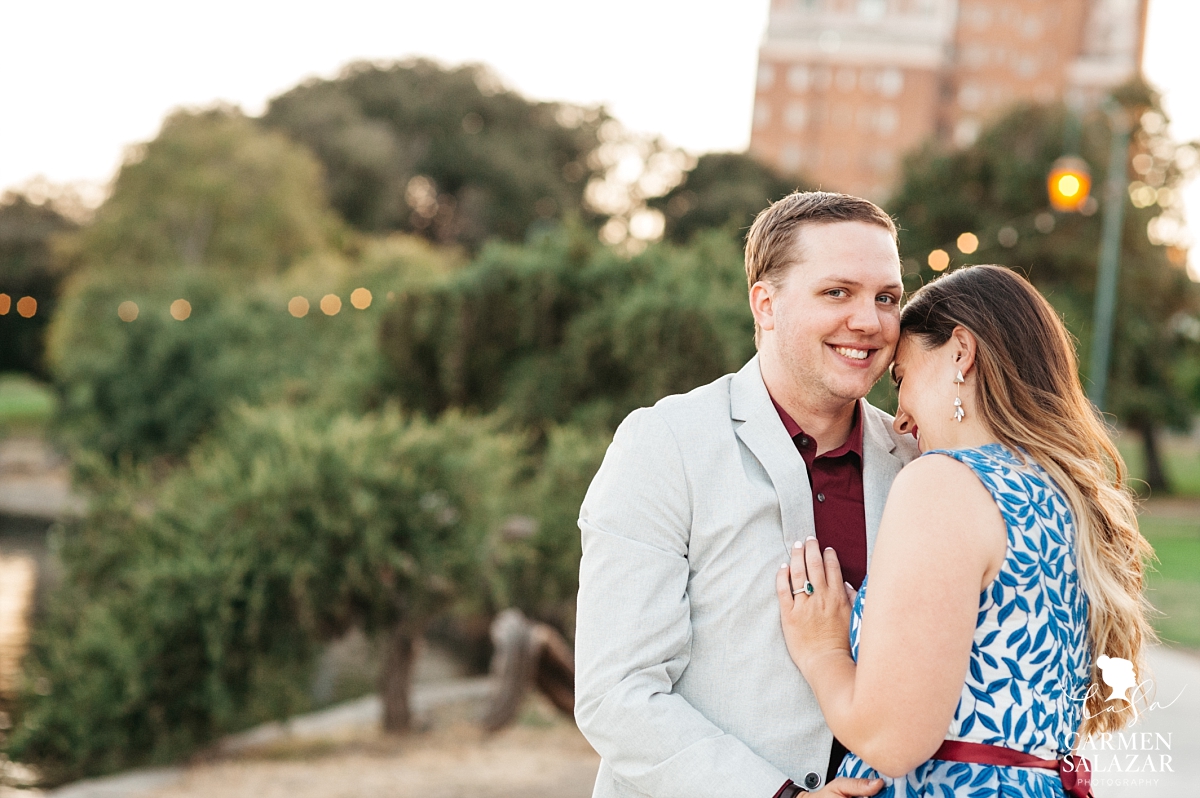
834	316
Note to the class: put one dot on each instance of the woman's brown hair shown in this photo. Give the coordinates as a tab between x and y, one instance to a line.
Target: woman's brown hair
1030	397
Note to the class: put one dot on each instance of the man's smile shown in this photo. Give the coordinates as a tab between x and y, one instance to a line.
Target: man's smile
858	355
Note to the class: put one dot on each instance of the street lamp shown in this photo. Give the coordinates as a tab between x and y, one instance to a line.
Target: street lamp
1110	251
1069	184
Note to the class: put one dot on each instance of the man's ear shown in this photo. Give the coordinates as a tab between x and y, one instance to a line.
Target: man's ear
762	299
964	347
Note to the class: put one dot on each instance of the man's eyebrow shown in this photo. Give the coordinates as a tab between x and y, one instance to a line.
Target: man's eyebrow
856	284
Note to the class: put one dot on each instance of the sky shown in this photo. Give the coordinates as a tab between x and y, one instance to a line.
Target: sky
83	80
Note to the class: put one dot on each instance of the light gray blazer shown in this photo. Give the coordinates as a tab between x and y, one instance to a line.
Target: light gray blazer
683	682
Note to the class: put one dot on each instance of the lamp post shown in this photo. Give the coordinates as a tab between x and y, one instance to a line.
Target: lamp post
1110	252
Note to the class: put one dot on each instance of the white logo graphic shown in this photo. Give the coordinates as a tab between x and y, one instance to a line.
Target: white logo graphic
1117	673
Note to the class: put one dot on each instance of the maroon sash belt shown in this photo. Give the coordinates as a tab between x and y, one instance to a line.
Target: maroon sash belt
1075	772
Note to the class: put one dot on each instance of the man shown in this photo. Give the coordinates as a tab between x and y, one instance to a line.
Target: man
683	683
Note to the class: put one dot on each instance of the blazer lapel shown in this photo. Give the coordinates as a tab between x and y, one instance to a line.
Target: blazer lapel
762	431
880	467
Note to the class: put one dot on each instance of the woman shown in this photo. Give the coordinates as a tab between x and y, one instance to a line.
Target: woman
1007	561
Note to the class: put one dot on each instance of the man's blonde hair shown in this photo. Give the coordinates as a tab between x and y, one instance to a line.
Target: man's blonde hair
772	245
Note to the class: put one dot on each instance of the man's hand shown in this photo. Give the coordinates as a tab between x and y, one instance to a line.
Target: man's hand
849	788
814	605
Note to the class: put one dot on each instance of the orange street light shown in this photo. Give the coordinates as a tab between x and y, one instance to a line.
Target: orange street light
1069	184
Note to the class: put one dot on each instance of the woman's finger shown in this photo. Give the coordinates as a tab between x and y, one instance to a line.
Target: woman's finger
797	569
815	565
851	593
833	568
843	787
783	589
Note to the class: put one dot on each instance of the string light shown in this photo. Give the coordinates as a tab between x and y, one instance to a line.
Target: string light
331	304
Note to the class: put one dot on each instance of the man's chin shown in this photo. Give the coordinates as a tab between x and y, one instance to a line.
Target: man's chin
852	390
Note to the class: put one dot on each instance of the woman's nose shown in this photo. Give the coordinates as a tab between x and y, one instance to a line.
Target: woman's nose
902	423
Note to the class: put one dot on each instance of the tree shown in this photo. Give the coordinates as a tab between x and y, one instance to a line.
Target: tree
995	190
725	190
213	190
446	153
27	268
564	330
193	607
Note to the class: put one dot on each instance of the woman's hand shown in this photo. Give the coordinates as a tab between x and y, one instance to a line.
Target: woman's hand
844	787
814	604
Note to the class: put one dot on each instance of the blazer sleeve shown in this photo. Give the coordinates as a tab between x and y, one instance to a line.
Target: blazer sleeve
633	633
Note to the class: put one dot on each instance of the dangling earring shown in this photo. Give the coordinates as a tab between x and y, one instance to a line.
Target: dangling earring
958	410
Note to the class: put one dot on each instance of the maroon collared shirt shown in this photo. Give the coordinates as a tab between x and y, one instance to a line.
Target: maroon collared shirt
836	479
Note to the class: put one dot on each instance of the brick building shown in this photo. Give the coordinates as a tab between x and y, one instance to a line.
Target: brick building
847	87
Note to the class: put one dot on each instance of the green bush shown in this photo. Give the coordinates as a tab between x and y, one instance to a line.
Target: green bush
193	607
566	331
535	565
153	386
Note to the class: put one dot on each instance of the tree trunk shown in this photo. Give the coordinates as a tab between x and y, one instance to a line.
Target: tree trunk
1156	475
395	682
528	655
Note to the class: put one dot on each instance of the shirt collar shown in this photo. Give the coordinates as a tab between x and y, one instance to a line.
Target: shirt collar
854	442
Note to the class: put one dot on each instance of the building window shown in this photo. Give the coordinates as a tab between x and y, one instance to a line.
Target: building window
762	115
790	158
872	9
798	77
890	82
887	120
796	116
882	161
766	76
970	97
966	131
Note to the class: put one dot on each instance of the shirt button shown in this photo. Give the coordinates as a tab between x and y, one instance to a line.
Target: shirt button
812	781
820	497
804	440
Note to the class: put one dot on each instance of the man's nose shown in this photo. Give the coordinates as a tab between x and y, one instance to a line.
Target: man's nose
865	317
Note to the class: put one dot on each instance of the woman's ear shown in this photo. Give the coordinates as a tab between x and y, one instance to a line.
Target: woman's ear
963	348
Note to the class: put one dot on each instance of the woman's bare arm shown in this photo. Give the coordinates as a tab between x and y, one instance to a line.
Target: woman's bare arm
941	541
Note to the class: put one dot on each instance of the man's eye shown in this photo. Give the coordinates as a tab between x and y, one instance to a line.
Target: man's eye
886	299
837	292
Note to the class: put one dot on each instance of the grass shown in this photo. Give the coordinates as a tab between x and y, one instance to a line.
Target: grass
25	404
1174	583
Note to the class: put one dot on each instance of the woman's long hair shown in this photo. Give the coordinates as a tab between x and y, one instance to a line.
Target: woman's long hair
1030	398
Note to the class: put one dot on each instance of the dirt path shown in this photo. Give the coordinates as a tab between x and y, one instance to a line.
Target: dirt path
547	760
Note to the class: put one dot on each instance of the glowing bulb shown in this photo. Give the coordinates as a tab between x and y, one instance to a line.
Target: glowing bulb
5	304
26	306
298	306
968	243
1068	186
127	311
331	304
360	298
181	309
939	259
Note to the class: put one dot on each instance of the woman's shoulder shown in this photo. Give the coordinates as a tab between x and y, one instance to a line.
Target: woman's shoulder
941	484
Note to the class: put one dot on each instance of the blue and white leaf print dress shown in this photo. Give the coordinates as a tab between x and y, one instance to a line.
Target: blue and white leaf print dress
1030	662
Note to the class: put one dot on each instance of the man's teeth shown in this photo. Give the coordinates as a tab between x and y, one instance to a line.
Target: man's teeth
857	354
